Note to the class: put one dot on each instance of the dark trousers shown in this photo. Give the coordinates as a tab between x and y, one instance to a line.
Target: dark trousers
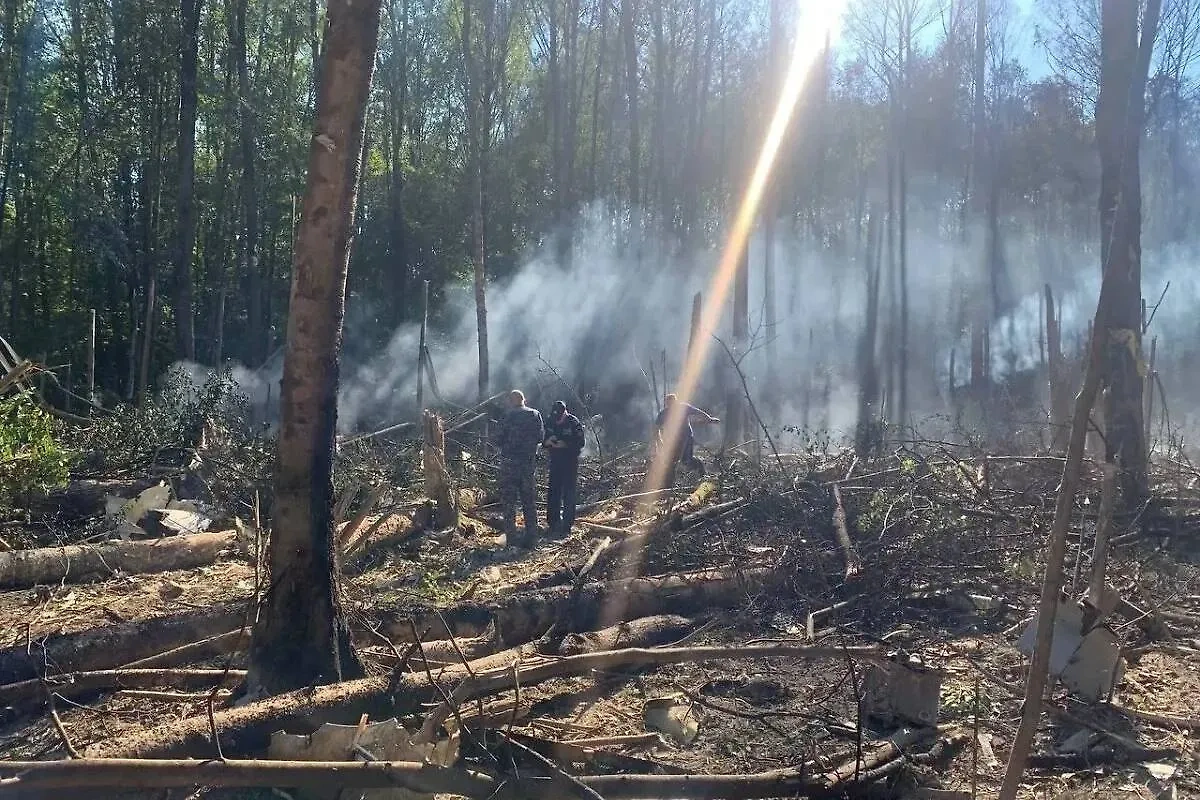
562	493
516	485
685	451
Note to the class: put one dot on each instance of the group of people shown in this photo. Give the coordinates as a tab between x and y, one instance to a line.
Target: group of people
523	432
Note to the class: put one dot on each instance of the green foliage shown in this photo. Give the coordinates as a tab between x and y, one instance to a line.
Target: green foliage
172	419
437	588
31	459
961	701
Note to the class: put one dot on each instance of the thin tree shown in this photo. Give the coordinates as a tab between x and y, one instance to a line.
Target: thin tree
1119	111
248	252
185	330
980	316
473	97
302	637
629	12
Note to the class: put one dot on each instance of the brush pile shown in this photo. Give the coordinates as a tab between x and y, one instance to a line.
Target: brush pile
811	624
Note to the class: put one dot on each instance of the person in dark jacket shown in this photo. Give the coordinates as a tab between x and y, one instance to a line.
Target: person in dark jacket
564	442
521	431
684	437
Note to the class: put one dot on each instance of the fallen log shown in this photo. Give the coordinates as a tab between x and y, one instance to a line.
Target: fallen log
582	751
77	684
522	617
247	729
21	569
481	627
46	776
30	779
110	646
222	644
626	558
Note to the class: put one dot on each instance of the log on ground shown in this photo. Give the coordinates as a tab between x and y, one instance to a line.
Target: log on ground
247	729
78	684
24	779
525	616
110	646
21	569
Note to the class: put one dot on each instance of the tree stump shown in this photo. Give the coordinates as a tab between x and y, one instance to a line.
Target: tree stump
438	486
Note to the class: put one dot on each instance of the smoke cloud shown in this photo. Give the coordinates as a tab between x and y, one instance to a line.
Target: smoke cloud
600	323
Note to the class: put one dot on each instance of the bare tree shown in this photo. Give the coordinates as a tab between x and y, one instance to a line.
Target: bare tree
189	40
1120	117
486	26
886	34
629	13
980	314
302	635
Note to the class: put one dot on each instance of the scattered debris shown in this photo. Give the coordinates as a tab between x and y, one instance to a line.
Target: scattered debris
565	672
1088	662
672	716
367	741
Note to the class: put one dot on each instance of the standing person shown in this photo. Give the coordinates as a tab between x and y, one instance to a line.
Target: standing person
685	440
521	431
564	442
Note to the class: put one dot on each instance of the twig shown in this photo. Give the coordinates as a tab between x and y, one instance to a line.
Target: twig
568	782
750	401
449	703
57	721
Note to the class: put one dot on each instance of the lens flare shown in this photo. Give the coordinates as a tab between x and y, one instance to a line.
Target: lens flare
818	21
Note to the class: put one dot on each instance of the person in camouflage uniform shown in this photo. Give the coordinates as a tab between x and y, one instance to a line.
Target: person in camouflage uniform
521	433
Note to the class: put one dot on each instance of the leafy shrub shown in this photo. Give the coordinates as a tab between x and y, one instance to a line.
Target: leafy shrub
134	436
31	459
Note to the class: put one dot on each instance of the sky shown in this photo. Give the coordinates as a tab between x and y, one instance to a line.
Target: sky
1026	16
1032	55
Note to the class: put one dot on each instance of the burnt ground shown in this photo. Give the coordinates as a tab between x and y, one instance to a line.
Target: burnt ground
950	552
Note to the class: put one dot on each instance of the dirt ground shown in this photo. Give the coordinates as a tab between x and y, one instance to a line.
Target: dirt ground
950	573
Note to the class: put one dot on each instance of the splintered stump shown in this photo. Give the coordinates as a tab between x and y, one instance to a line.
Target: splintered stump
21	569
438	486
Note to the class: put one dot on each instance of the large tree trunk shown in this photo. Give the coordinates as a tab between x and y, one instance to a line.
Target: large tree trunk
1120	113
302	635
185	332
